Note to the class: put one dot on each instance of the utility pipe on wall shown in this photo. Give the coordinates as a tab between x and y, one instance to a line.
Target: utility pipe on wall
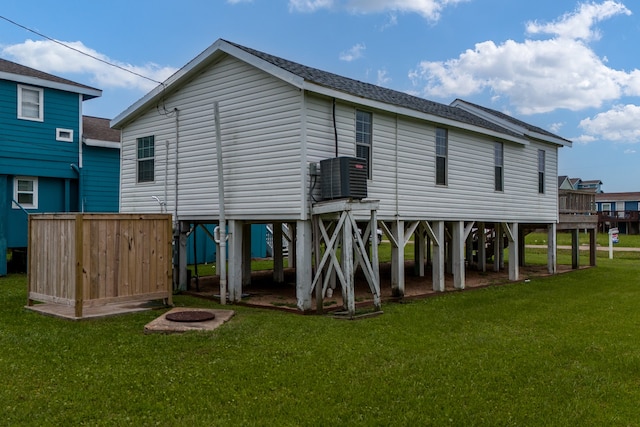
78	170
222	268
80	155
335	126
175	206
166	175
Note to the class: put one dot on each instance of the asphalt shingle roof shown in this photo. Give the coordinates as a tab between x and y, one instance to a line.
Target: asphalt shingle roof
376	93
618	197
99	128
22	70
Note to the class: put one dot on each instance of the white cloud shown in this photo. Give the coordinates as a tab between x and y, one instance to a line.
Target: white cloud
630	151
355	52
556	127
309	5
383	78
579	25
536	76
584	139
620	124
52	57
392	22
429	9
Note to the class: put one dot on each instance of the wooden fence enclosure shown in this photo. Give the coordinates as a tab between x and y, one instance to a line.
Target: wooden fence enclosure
88	260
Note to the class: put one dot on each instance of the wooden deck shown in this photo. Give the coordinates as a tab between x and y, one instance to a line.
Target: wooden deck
577	210
627	221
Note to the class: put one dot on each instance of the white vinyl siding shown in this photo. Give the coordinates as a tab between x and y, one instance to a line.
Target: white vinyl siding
469	194
404	165
261	140
272	130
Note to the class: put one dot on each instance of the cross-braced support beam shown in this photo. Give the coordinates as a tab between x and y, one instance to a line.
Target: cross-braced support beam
336	227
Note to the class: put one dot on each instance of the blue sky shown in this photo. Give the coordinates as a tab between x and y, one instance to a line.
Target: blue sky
571	67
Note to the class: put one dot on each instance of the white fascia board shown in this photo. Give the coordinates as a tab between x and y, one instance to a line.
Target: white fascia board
509	125
549	139
100	143
489	117
129	113
165	86
311	87
34	81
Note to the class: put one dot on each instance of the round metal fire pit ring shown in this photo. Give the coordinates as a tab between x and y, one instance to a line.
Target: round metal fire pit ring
190	316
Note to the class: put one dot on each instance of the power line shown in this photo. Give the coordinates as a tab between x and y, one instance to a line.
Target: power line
78	50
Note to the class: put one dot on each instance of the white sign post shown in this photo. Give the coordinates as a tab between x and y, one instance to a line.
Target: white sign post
613	238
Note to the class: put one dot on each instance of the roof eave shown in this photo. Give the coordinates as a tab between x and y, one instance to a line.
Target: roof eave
547	138
510	125
86	92
101	143
312	87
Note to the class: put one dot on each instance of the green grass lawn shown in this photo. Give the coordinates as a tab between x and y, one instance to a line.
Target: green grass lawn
602	239
562	351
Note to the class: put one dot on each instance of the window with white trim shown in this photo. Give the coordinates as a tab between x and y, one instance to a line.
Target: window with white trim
364	138
541	171
146	159
25	192
498	161
30	103
65	135
442	148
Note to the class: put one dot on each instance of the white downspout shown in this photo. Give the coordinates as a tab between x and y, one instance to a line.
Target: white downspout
166	175
80	156
175	204
222	226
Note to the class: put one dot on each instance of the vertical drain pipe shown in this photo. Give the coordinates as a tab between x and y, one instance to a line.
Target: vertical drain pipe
175	206
335	126
181	277
166	177
222	226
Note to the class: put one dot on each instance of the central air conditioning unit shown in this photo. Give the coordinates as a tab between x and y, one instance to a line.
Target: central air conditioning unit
343	178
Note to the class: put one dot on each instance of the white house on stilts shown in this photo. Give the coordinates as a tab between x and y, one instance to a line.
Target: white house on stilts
457	179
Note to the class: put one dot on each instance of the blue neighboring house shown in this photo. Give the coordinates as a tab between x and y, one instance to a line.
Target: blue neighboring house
52	159
619	210
100	181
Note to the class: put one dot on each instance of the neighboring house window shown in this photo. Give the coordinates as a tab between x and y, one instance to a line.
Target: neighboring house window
541	167
498	159
146	148
25	192
606	207
442	147
65	135
364	138
30	103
